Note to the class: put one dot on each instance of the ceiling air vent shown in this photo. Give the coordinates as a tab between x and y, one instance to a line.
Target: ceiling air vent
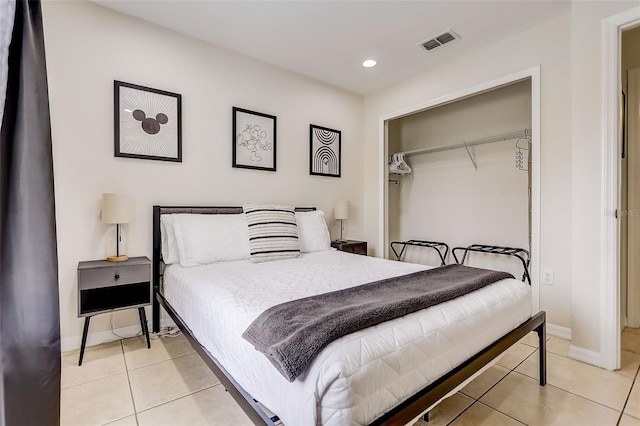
442	38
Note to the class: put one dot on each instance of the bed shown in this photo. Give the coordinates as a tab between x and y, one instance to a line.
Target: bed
387	374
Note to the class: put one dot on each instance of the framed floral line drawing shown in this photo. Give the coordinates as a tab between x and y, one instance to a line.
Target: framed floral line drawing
325	151
254	140
147	123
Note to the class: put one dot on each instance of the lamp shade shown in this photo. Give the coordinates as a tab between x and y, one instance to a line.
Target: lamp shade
117	208
341	210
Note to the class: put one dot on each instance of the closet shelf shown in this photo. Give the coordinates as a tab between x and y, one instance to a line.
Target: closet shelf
520	134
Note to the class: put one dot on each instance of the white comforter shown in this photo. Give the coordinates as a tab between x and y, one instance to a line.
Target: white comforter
356	378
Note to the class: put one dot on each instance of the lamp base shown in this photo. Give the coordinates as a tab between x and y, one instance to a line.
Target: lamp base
117	258
343	240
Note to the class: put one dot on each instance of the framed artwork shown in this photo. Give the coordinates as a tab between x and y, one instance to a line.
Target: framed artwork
148	123
254	140
325	153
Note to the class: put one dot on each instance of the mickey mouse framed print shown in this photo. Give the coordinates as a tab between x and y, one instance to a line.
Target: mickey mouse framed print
254	140
148	123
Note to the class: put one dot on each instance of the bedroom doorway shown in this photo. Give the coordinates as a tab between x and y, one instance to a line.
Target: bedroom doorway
630	176
614	256
468	167
630	193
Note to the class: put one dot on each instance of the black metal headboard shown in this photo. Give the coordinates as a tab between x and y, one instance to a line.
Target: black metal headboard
157	243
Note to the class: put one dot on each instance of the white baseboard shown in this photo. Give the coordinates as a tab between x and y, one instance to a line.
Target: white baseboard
559	331
575	352
585	355
98	337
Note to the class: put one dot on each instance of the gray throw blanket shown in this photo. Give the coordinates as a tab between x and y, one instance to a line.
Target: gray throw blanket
292	334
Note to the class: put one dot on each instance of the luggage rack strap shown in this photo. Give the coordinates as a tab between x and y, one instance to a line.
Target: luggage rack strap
516	252
436	245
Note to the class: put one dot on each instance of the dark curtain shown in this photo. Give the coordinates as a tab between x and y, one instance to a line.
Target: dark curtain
29	311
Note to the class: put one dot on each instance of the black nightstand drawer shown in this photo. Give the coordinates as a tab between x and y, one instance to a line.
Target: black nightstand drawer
113	276
351	246
114	297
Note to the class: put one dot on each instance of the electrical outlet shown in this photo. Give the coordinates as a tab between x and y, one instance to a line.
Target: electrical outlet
547	276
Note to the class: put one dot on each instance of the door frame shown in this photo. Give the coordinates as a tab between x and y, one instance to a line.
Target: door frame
612	28
533	74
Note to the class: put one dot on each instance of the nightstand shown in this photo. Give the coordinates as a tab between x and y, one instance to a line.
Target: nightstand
111	286
351	246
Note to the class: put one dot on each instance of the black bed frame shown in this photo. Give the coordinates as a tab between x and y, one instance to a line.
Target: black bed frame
401	414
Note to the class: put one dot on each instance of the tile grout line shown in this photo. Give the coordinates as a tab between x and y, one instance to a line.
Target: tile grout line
521	362
164	360
171	400
154	363
477	401
569	392
75	356
494	385
536	344
510	370
513	370
582	396
504	414
180	397
92	380
463	411
133	401
628	396
550	385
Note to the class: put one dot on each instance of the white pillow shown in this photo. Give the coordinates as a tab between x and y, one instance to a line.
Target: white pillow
313	234
208	238
168	238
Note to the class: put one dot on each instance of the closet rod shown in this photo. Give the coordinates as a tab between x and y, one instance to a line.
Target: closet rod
524	133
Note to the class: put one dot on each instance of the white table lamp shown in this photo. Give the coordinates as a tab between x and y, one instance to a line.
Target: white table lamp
341	212
118	209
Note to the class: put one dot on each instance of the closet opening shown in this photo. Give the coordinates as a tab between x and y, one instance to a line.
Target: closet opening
465	170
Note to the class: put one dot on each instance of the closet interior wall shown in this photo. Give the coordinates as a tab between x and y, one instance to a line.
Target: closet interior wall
446	198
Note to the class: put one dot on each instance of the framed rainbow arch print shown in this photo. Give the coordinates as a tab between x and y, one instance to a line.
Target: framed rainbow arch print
325	151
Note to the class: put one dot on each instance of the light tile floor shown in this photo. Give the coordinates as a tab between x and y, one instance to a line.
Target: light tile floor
123	383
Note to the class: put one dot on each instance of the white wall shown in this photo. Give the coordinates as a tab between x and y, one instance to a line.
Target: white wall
568	49
87	48
446	198
546	44
586	166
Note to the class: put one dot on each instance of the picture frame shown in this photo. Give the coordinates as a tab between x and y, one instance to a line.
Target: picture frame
147	123
325	151
254	140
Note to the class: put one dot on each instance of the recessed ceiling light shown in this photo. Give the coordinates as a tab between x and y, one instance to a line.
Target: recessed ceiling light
369	63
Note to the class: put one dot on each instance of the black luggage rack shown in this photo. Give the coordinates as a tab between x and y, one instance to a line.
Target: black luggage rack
436	245
519	253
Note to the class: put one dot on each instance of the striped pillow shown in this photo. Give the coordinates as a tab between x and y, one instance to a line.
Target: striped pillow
273	232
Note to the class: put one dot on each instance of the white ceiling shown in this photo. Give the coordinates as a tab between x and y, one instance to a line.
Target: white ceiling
328	40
